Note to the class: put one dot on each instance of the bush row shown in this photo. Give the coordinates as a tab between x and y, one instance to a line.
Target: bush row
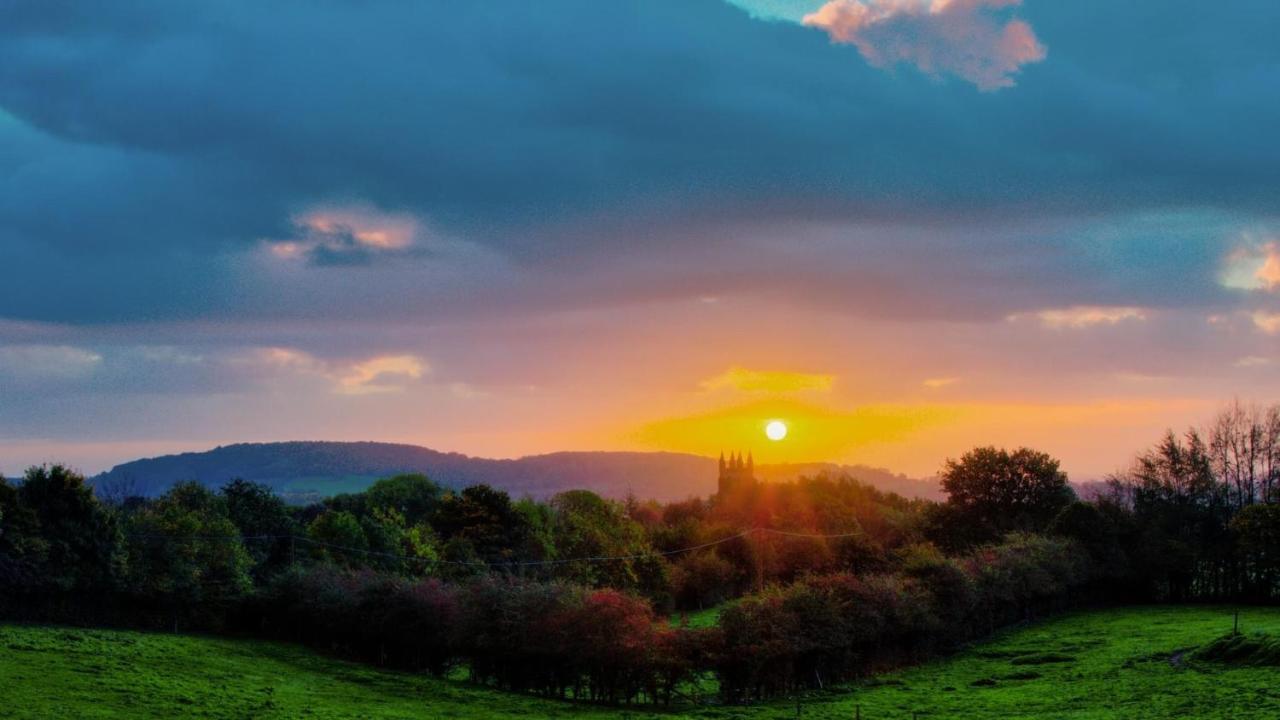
837	627
561	640
552	639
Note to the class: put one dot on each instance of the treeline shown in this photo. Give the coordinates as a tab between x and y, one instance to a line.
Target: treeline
1196	517
821	580
183	557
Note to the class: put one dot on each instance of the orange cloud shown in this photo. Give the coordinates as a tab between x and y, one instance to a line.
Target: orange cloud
379	374
744	380
814	432
969	38
936	383
1269	273
1268	323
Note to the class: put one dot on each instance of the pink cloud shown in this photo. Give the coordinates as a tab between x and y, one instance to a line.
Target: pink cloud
970	38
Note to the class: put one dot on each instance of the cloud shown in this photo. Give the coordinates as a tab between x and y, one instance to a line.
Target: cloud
1267	322
1250	361
1084	316
762	381
47	362
941	382
970	38
375	375
692	117
1253	266
700	153
381	374
353	235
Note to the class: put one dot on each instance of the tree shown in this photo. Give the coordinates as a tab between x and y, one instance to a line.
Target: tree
1244	442
995	491
397	545
337	535
263	519
1257	532
412	495
486	518
1182	511
588	526
77	539
22	550
703	579
186	554
1106	531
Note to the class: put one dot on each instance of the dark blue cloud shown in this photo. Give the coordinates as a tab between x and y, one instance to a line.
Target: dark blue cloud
147	148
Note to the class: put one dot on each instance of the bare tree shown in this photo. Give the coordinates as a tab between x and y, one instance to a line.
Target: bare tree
1244	444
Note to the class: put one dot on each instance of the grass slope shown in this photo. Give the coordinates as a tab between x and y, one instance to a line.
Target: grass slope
1114	664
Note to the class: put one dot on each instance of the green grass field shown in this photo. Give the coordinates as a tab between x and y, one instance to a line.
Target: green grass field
698	618
1110	664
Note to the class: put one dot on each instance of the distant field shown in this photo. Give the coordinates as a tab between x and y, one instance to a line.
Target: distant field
698	618
303	490
1111	664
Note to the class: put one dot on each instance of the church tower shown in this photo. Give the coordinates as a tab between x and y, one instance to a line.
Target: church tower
736	472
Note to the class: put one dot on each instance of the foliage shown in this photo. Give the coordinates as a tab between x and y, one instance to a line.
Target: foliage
1257	532
72	541
992	491
836	627
261	515
185	554
588	526
487	521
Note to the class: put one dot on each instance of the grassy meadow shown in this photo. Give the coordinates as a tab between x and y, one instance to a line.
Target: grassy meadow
1127	663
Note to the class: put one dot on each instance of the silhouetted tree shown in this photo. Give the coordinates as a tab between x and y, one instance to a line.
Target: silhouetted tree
993	491
488	520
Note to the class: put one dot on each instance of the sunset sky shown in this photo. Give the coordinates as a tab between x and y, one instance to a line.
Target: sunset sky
904	227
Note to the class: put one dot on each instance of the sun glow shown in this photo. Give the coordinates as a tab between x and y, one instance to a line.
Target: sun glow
775	430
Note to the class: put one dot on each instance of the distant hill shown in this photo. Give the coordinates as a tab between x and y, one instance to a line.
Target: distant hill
303	471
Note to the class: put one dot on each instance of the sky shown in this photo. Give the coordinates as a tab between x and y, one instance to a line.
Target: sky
903	227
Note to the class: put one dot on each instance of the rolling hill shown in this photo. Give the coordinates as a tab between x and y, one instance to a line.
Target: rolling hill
302	471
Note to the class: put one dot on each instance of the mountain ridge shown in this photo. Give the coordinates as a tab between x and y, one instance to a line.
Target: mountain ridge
305	470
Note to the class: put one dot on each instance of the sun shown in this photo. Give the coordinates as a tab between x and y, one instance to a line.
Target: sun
775	430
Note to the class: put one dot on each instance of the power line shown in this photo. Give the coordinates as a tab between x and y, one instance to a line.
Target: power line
509	563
